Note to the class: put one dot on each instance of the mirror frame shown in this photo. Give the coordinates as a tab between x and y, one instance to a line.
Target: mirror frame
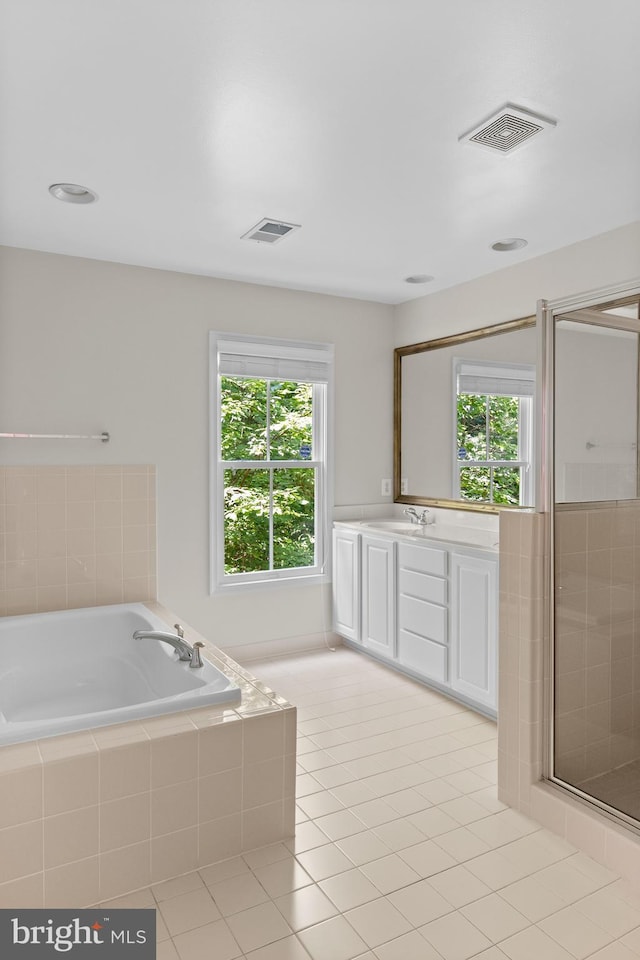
412	348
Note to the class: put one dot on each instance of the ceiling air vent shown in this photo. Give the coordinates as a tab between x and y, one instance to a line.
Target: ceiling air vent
507	129
270	231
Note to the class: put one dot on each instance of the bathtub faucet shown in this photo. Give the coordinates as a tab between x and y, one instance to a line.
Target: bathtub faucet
176	640
423	518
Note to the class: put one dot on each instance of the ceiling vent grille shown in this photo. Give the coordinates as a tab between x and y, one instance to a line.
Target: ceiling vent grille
509	128
270	231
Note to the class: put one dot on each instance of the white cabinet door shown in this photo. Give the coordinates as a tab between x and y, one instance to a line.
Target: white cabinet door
378	590
474	624
346	584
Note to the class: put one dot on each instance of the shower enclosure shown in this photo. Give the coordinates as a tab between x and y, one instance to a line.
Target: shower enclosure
593	355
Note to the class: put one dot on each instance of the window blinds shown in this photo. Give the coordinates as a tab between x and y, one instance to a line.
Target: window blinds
274	359
495	379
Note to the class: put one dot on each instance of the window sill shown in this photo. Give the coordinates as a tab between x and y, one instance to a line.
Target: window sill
313	580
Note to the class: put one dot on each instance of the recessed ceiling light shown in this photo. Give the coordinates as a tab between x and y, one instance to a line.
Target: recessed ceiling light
513	243
72	193
419	278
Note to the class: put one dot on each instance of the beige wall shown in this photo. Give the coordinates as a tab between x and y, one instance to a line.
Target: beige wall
512	292
87	346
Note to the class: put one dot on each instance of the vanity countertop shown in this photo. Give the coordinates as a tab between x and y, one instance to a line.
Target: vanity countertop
438	532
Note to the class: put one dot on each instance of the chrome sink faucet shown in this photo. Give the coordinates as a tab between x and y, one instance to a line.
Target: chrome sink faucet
176	640
423	518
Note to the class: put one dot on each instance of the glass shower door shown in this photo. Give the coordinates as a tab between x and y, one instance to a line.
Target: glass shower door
596	529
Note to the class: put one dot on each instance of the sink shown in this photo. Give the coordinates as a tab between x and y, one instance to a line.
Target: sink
392	526
463	535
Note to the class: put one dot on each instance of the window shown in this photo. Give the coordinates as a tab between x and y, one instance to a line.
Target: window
270	403
494	432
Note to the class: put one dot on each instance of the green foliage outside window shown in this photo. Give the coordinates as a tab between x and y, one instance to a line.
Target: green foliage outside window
487	436
269	511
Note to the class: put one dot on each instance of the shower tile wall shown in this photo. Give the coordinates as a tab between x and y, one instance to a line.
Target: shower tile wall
597	682
522	639
76	536
524	676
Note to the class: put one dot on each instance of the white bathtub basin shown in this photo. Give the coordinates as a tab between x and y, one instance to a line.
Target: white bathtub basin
77	669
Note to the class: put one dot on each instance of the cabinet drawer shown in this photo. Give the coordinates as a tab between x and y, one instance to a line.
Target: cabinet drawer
423	618
422	585
423	559
422	655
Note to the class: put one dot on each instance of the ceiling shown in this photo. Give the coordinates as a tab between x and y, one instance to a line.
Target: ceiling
194	119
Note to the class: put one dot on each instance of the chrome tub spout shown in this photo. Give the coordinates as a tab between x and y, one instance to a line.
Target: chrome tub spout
183	648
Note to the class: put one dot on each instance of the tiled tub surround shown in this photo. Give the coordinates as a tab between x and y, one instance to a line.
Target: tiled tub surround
92	815
523	677
76	536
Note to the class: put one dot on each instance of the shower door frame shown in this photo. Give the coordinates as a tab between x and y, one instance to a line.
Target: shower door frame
547	311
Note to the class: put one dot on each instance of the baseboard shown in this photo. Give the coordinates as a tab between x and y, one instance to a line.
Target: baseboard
285	646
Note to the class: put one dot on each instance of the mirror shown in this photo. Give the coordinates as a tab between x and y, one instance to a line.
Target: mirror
463	419
597	355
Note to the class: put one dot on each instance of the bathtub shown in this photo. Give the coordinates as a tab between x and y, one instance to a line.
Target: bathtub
77	669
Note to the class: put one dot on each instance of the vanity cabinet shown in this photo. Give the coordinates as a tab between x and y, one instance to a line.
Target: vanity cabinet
378	595
429	608
423	633
346	583
474	628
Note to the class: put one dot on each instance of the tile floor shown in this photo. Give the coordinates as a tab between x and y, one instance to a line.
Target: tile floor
402	850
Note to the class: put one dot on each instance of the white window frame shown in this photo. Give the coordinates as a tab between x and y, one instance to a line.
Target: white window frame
501	373
314	363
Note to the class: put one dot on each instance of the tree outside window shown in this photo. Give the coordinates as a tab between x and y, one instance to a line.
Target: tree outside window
269	476
487	438
270	460
494	417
